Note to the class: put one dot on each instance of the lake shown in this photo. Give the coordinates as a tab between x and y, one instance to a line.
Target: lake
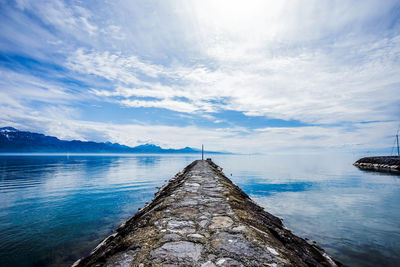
57	208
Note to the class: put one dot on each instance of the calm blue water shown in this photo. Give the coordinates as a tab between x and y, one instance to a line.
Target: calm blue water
55	209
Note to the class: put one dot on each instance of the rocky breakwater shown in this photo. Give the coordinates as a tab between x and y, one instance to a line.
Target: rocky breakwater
384	163
200	218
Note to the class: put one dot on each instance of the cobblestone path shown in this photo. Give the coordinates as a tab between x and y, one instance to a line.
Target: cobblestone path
200	218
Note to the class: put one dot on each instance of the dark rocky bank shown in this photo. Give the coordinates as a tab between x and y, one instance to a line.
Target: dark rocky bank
383	163
200	218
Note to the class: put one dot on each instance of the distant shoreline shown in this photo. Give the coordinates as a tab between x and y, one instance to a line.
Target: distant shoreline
103	154
16	141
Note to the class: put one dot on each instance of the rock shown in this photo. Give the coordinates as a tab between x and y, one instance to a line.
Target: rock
233	243
220	222
383	163
273	251
228	262
198	236
239	229
203	223
122	260
171	237
200	218
188	202
192	184
182	227
208	264
179	252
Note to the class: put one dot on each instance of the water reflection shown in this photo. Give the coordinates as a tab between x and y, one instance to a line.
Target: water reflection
148	161
54	209
352	214
381	172
260	188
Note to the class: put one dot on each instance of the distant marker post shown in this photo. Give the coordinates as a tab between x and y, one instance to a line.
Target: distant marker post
202	152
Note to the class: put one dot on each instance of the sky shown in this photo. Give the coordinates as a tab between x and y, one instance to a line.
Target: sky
240	76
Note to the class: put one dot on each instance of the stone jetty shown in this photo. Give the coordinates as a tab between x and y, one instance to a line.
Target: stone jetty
383	163
201	218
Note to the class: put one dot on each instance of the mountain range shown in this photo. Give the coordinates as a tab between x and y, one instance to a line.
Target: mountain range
13	140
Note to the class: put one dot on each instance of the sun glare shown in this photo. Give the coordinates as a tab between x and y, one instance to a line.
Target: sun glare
239	19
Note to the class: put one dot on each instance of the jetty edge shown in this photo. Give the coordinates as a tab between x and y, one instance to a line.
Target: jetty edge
201	218
382	163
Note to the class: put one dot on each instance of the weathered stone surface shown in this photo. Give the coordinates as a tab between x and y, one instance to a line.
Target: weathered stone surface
177	252
220	222
208	264
122	259
228	262
198	236
172	237
200	218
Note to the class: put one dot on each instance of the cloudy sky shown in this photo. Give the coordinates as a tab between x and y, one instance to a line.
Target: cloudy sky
242	76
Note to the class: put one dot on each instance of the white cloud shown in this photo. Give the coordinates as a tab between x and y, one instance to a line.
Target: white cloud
323	63
58	121
167	104
113	67
316	63
68	18
315	86
21	89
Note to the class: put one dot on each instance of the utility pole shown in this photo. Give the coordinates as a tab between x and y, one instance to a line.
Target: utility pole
202	152
398	151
